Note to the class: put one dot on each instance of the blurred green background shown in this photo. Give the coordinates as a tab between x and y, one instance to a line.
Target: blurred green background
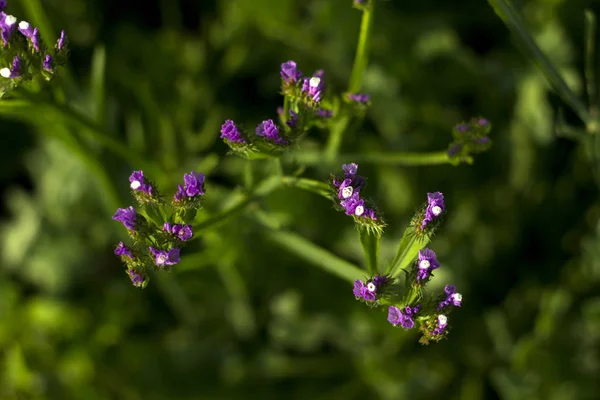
241	317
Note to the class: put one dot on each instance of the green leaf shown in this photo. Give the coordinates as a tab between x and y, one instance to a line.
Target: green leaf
407	251
370	244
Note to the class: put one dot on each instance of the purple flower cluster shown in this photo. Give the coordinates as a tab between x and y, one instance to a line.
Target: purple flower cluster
8	23
137	279
123	251
435	207
348	191
231	133
164	258
290	73
127	216
314	86
469	138
268	130
361	98
403	317
192	188
426	264
139	184
442	324
452	297
369	290
183	232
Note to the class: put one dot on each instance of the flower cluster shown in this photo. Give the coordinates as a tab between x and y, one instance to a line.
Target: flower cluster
407	307
347	189
157	243
469	138
23	54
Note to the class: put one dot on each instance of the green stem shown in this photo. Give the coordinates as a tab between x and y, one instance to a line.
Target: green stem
590	44
370	244
361	59
405	159
335	137
514	22
320	188
316	255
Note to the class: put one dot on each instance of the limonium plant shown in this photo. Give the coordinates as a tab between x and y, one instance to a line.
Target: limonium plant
158	226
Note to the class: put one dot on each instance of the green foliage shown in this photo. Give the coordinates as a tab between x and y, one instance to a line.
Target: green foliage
245	312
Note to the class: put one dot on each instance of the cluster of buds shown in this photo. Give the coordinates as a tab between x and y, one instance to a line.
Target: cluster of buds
426	221
406	306
159	229
23	54
303	99
346	188
469	138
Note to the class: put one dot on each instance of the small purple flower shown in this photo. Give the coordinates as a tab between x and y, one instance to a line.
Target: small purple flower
13	72
268	129
8	24
442	323
350	169
454	149
127	216
435	206
369	290
293	121
183	232
26	29
361	98
427	263
3	4
62	40
163	257
289	72
345	189
323	113
180	194
123	251
370	213
313	87
403	317
48	63
194	184
35	39
451	297
483	122
231	133
462	128
482	140
354	205
138	183
136	278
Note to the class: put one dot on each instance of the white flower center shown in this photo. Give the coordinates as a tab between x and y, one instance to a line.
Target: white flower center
135	184
424	264
442	320
436	210
24	25
10	20
160	260
347	192
314	82
359	210
371	287
457	297
5	72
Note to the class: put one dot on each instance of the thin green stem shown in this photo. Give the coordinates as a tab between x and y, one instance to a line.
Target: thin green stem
514	22
404	159
590	47
361	58
370	244
319	188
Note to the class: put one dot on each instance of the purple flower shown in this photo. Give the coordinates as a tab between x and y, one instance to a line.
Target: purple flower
123	251
483	122
48	63
231	133
293	121
183	232
369	290
402	317
127	216
35	39
289	72
451	297
345	189
26	29
138	183
359	97
350	169
136	278
163	257
13	72
462	128
313	87
3	4
62	41
442	323
354	205
427	263
435	206
194	184
268	130
482	140
454	149
7	25
180	194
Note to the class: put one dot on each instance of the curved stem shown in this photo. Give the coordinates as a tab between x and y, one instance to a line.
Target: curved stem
405	159
362	57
